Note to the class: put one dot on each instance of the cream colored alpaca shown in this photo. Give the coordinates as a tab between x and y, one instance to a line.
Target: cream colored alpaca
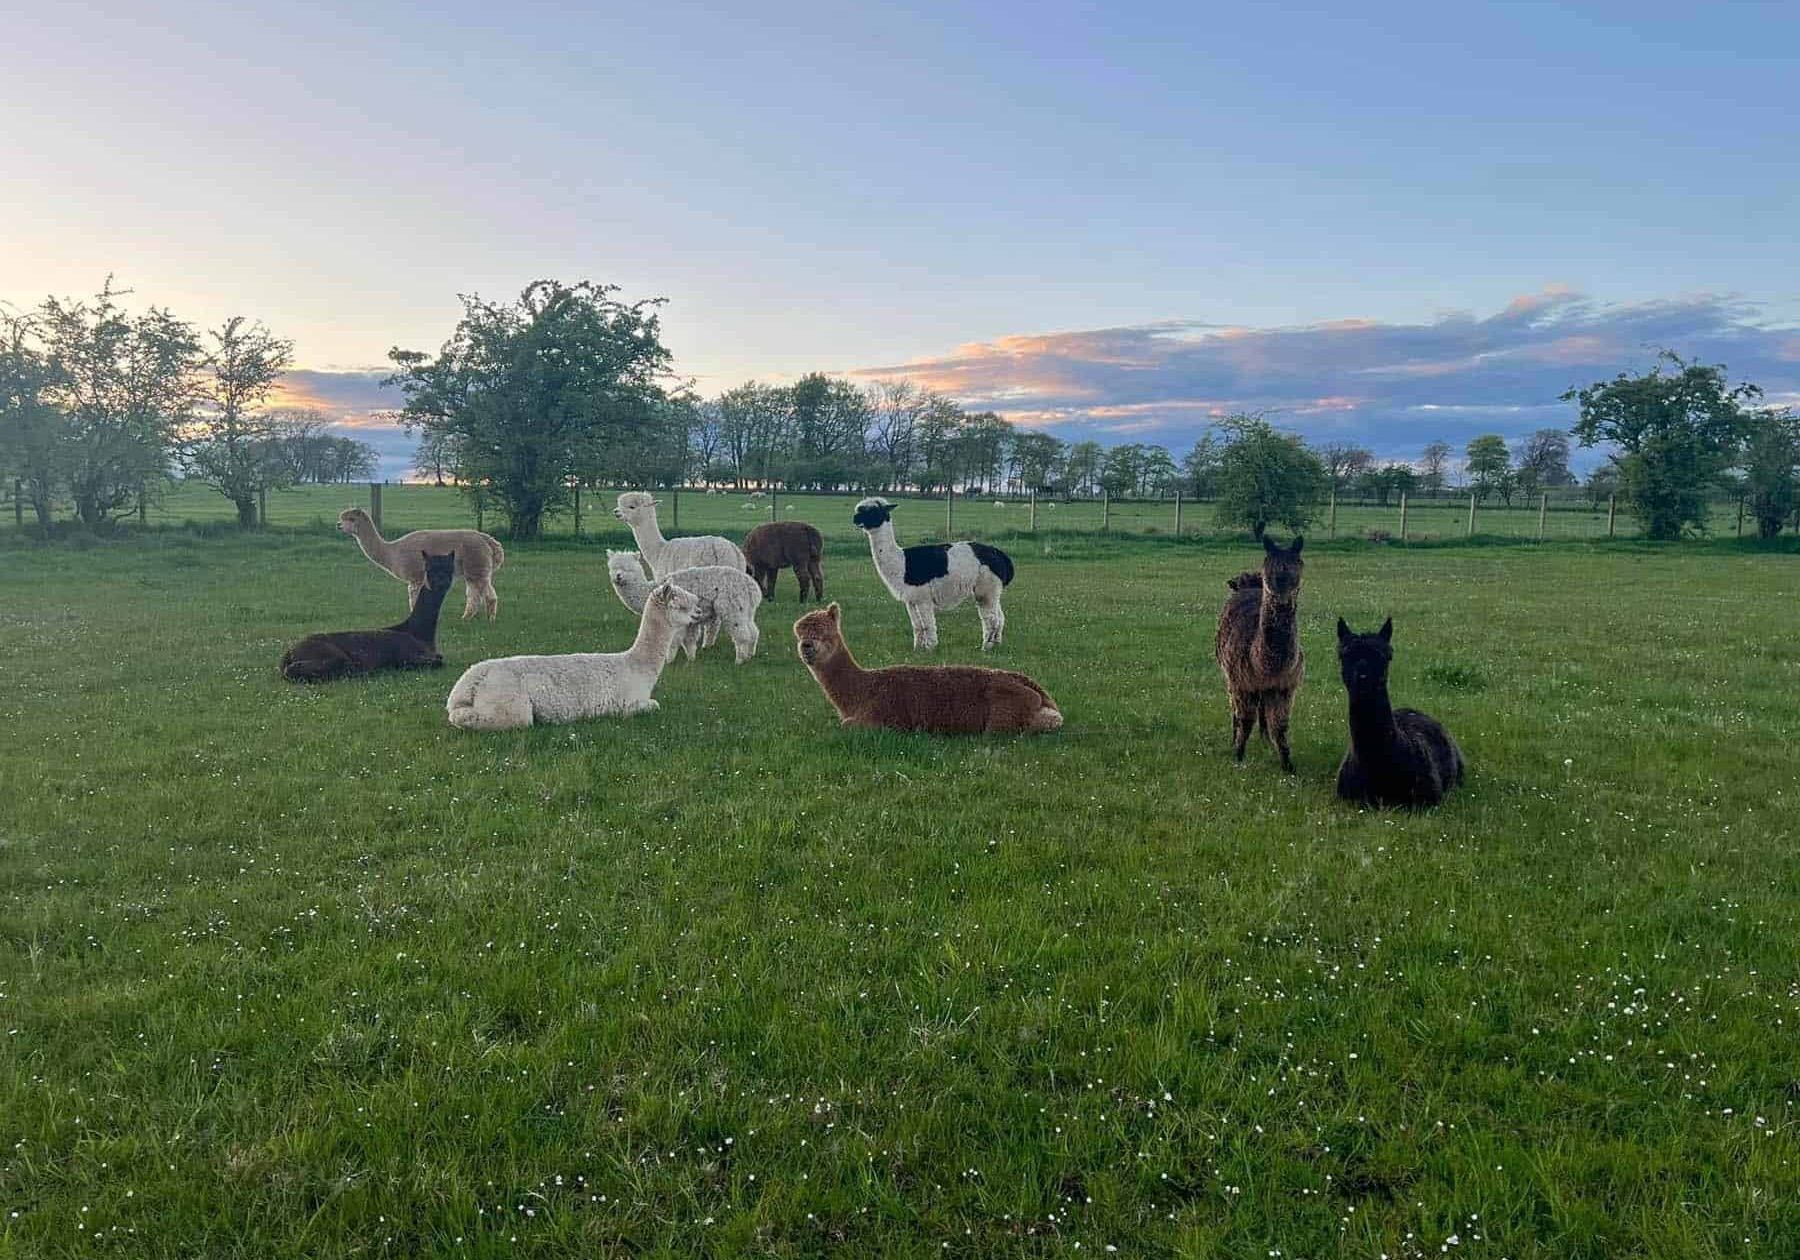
510	692
665	555
478	556
733	594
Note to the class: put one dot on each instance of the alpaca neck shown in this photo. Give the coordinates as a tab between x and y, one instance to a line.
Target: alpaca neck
890	561
1371	723
1277	635
423	621
650	539
840	677
373	545
651	647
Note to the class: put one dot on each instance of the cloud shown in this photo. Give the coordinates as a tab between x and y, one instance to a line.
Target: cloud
1390	387
356	405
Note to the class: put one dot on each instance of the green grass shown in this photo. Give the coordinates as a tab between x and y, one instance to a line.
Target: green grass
294	972
421	506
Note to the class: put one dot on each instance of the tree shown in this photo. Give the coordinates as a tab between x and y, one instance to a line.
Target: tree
896	408
1489	466
1200	468
1434	467
1039	458
1267	477
1157	472
1345	462
1676	432
1542	461
538	392
1119	468
1388	482
434	456
229	445
124	386
1602	484
1084	467
1770	458
33	446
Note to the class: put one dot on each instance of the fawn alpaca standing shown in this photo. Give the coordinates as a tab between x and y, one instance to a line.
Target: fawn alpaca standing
1258	648
1397	756
478	555
509	692
936	575
942	699
410	645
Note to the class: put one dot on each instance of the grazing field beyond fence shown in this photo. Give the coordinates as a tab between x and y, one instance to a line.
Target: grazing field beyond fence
304	972
1434	519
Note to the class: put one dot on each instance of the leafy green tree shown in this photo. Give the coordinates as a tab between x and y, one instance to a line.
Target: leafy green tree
1676	431
538	392
1489	466
1345	463
1119	468
1157	472
1389	482
1267	477
1084	467
1771	457
33	437
230	444
1601	484
1200	468
1039	458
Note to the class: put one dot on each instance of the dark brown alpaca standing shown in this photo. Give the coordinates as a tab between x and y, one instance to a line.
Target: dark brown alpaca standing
943	699
1258	648
410	645
768	549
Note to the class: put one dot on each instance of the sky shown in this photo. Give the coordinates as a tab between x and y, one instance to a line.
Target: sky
1385	223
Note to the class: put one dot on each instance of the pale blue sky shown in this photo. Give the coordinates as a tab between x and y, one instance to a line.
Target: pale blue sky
843	186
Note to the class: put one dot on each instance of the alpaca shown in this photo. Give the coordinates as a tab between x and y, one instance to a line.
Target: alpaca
510	692
936	575
1258	648
768	549
942	699
733	596
665	555
410	645
477	554
1397	756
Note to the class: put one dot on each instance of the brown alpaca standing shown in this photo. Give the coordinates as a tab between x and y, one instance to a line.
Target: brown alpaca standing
942	699
778	545
1258	648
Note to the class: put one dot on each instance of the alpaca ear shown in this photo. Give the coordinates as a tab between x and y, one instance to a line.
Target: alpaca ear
834	612
1344	635
1269	546
1299	542
1387	630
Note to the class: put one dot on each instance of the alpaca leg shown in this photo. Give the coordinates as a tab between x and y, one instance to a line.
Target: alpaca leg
496	708
1243	720
490	598
471	598
316	668
925	635
817	572
993	621
1277	705
710	632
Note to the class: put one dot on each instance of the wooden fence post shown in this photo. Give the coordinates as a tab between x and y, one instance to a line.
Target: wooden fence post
675	516
1105	509
1178	512
1403	516
375	504
578	509
949	510
1612	507
1543	506
1034	511
19	502
262	506
1334	511
1740	524
1471	514
774	504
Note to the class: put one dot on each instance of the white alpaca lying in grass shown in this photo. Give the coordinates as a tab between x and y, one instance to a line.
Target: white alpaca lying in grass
734	596
514	691
665	555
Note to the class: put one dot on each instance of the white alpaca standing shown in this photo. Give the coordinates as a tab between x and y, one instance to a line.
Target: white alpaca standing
665	555
936	575
510	692
734	595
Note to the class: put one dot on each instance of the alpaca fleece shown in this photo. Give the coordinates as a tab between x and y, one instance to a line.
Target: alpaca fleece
1258	648
410	645
665	555
941	699
734	599
936	576
510	692
1397	757
478	555
778	545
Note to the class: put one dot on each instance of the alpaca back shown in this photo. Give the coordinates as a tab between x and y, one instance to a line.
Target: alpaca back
696	553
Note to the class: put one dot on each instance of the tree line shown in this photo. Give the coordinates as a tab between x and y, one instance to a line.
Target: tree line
100	407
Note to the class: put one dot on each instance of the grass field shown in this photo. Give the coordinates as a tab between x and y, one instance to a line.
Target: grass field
294	972
420	506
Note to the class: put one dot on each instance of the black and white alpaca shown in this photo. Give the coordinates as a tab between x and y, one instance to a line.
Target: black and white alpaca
936	576
1397	756
410	645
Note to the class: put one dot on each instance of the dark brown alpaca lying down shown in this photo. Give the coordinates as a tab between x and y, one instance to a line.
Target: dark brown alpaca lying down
943	699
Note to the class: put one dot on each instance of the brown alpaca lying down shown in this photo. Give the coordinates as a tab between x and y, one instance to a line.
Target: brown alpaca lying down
943	699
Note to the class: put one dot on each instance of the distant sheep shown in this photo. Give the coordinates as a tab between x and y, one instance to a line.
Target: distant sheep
733	597
665	555
941	699
477	555
510	692
936	575
768	549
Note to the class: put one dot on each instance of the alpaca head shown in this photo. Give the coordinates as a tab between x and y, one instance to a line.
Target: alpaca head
354	520
872	513
1281	567
681	606
634	507
1364	658
820	635
624	569
439	570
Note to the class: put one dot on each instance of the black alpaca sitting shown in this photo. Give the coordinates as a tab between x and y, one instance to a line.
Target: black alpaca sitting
1397	756
410	645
